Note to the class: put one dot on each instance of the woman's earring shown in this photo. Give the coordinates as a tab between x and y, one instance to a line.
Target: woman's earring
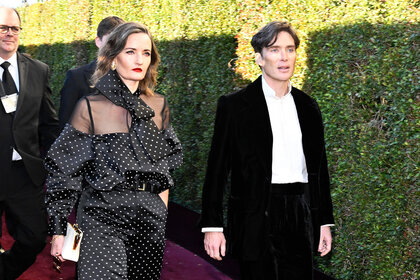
113	65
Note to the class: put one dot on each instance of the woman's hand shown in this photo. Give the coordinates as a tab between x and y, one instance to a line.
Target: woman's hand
57	243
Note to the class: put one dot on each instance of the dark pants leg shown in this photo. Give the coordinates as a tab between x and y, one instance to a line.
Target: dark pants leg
263	269
26	221
289	252
123	235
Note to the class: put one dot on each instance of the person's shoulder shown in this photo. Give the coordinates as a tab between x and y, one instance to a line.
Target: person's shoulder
157	96
157	101
241	92
25	57
97	97
94	101
304	100
90	67
299	94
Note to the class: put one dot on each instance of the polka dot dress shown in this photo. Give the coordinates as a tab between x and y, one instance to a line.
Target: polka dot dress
123	226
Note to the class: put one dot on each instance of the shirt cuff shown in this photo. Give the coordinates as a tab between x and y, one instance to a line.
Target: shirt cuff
212	229
328	225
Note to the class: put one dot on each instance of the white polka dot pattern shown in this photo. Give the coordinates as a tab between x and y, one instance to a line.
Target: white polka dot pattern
123	235
123	228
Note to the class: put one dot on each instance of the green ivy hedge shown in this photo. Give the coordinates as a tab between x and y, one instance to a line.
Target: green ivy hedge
359	59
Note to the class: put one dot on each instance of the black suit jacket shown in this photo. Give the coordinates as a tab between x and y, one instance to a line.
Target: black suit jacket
242	147
76	85
35	123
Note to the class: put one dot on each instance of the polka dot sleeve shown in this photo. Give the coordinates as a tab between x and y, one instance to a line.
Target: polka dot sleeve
66	162
174	159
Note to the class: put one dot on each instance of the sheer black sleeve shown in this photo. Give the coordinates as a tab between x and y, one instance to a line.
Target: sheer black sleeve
176	157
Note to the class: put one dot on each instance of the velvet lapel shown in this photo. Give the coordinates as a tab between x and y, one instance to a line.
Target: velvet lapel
23	76
257	110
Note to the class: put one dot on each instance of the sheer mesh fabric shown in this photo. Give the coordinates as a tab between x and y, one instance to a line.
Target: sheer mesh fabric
109	118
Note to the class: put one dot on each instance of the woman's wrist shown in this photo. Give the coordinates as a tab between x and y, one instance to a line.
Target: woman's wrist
54	237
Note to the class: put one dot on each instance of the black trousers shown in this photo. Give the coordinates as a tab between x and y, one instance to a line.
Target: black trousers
288	255
26	220
123	235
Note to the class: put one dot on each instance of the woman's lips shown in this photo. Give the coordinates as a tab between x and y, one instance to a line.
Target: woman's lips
138	70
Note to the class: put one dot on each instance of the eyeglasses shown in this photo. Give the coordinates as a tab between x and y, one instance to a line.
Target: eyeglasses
15	30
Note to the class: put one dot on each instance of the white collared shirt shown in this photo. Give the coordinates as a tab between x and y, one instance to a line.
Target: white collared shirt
288	165
13	69
14	72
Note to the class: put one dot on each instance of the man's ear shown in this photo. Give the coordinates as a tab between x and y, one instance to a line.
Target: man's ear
98	42
258	58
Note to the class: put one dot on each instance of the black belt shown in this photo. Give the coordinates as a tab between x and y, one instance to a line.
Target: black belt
287	189
141	186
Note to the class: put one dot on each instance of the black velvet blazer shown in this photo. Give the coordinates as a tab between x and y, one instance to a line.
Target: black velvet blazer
242	148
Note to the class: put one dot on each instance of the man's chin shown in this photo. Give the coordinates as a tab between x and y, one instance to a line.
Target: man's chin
7	50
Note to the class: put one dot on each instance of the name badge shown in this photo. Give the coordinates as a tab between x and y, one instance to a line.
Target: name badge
9	102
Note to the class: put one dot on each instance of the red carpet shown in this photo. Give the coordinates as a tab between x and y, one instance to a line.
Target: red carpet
178	264
189	262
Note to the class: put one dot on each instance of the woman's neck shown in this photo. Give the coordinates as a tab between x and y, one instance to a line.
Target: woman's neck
131	85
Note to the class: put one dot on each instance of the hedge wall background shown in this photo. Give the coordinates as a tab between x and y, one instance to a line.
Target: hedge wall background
359	59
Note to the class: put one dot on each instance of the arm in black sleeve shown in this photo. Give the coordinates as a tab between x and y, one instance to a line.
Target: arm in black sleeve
69	95
48	122
218	167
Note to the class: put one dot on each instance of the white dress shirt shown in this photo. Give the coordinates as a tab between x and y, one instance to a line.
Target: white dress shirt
14	72
288	165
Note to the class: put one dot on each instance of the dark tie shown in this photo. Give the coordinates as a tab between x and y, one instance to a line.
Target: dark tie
7	80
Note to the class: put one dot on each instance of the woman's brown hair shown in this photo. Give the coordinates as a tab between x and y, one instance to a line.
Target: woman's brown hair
115	44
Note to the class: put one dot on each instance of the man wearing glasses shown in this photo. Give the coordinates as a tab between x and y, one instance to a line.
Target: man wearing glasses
28	126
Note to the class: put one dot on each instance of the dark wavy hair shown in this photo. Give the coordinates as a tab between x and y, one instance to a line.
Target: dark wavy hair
115	44
267	36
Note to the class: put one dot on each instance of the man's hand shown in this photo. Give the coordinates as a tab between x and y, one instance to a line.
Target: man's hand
215	244
325	241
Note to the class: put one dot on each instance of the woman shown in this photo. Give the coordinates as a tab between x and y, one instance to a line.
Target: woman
120	144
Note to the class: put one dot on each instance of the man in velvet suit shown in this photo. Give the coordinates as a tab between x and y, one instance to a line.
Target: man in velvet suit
28	126
77	82
269	138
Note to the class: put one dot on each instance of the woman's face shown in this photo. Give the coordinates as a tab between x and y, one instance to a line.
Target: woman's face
134	60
